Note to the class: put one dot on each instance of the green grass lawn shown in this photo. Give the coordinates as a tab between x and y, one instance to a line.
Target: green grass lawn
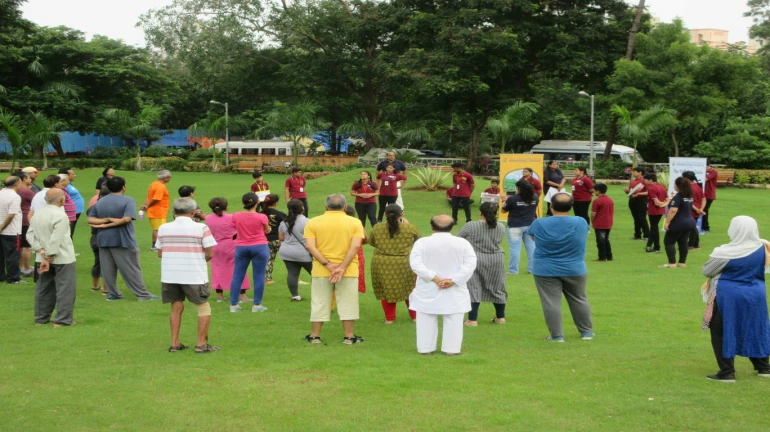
644	371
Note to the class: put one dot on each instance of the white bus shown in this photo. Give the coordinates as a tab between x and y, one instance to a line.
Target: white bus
257	148
580	151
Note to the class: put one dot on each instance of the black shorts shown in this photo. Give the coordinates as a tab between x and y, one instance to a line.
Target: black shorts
197	294
24	242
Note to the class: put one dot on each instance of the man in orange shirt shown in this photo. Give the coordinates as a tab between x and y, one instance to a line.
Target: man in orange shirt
157	204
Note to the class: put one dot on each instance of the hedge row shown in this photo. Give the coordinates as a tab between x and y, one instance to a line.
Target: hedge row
744	177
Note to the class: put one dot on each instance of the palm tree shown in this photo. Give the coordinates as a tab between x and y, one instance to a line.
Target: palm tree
295	121
138	127
644	124
514	123
384	134
214	128
12	130
42	131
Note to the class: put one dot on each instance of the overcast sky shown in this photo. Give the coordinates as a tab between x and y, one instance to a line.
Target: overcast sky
116	18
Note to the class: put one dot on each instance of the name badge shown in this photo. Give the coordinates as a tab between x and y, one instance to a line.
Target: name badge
573	188
387	183
458	187
302	189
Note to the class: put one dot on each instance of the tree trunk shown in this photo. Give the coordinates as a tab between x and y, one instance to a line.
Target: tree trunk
295	150
45	161
59	149
611	138
674	142
139	155
476	127
333	149
629	56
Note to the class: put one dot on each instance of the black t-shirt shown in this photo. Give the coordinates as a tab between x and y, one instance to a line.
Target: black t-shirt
397	164
274	218
100	182
520	214
682	219
553	176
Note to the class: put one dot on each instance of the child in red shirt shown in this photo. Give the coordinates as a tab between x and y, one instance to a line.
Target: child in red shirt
602	217
259	185
494	189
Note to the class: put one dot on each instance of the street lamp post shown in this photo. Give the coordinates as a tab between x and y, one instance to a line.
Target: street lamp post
227	130
591	158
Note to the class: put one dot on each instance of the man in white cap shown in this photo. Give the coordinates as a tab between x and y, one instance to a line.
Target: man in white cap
32	173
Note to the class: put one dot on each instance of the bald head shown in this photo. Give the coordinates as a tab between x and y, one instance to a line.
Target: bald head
55	197
12	182
442	223
561	204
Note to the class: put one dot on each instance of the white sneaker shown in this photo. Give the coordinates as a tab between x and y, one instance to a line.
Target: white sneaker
235	308
259	308
220	300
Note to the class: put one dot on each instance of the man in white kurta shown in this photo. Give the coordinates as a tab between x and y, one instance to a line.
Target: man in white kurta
443	264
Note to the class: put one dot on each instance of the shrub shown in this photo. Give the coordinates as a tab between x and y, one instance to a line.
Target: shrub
155	164
406	156
203	154
158	151
200	166
430	178
745	177
101	152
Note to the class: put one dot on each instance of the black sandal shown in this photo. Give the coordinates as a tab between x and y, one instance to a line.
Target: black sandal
313	339
205	349
181	347
352	340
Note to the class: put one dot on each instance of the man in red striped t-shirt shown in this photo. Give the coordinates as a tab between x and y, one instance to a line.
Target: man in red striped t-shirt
184	248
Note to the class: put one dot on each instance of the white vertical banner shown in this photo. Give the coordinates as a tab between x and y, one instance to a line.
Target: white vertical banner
678	165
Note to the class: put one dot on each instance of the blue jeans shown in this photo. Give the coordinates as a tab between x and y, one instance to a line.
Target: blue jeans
257	255
515	235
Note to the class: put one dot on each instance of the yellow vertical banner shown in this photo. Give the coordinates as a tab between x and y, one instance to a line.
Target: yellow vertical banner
511	167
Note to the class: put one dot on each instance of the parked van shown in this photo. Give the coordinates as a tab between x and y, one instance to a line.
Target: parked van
580	151
256	148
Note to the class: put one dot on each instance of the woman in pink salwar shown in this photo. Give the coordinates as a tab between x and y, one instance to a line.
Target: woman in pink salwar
222	228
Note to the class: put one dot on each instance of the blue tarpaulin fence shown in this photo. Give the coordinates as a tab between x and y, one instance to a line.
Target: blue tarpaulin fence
74	142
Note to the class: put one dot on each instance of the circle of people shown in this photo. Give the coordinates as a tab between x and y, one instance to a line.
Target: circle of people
439	275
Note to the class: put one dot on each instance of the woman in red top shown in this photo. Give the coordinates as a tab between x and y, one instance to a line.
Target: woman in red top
657	200
526	174
582	190
250	247
366	191
388	184
637	203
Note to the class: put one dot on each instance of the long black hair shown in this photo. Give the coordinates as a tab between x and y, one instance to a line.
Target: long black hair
489	211
270	200
295	208
218	205
526	191
393	215
684	187
360	182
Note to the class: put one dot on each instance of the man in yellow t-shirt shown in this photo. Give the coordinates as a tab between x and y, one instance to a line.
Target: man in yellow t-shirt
157	204
333	240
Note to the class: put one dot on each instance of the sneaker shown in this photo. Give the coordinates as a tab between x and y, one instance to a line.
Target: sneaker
235	308
154	249
150	298
297	299
220	300
303	283
269	282
727	379
555	338
111	297
511	274
259	308
648	249
764	374
587	335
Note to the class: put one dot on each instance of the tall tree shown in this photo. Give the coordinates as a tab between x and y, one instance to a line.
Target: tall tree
42	131
643	125
11	129
515	123
141	126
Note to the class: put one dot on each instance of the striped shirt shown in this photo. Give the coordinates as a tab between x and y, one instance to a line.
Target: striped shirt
183	243
10	204
69	207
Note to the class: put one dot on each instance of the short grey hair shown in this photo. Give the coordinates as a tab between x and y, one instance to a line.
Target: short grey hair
184	206
336	202
63	176
163	174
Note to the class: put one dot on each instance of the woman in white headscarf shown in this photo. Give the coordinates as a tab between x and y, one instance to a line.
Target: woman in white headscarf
737	300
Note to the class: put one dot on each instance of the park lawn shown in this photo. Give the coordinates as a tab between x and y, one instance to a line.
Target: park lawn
645	370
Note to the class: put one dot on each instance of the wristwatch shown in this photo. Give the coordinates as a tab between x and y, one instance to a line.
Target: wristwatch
325	264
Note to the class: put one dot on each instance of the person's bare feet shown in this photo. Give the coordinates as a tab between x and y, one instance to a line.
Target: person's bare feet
470	323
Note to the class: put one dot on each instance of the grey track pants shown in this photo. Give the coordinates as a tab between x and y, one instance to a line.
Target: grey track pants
56	289
574	290
114	259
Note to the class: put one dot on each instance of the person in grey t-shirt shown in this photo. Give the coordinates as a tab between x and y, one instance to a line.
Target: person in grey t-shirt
293	252
114	216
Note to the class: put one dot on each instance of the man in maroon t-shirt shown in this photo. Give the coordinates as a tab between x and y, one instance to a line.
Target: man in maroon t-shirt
710	191
295	188
657	198
602	217
462	188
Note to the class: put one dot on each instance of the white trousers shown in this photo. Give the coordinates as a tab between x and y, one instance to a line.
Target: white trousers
427	333
399	201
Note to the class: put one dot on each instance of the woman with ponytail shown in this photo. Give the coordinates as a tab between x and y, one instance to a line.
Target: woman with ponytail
274	218
293	252
250	247
488	281
221	225
392	276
